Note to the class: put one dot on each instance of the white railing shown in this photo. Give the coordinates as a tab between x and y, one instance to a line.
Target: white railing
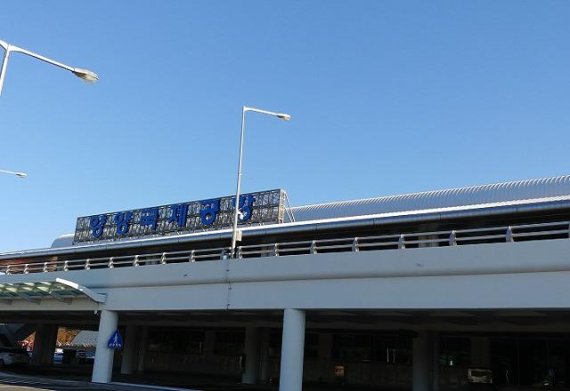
551	230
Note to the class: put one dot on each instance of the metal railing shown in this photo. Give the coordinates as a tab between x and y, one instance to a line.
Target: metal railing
514	233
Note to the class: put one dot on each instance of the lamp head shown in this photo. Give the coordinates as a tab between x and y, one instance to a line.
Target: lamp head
283	116
21	174
85	74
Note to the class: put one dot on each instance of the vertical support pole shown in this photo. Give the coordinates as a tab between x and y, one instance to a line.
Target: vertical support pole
50	342
4	66
44	344
325	354
435	361
103	366
38	340
209	346
292	350
480	352
142	349
238	186
422	365
129	350
251	350
264	355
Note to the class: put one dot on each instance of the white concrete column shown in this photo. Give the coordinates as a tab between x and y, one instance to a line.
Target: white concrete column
142	349
292	350
251	351
103	366
422	362
129	350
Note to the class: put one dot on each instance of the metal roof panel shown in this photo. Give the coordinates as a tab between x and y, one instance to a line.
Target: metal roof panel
465	196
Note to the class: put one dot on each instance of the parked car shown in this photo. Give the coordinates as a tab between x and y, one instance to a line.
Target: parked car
13	356
479	375
58	356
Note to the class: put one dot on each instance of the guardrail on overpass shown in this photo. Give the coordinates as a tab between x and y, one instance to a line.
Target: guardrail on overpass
500	234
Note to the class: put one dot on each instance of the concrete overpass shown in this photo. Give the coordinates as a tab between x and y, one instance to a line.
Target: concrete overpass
464	275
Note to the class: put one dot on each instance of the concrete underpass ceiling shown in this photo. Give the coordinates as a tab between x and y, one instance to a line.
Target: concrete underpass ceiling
467	321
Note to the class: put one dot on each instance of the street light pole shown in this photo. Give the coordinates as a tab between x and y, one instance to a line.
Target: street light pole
245	109
84	74
18	174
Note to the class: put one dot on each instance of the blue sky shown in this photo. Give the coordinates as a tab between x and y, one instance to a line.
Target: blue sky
387	97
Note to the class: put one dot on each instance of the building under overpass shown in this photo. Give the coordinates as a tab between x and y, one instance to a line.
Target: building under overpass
413	291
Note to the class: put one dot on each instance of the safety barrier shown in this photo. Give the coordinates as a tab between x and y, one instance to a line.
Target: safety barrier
506	234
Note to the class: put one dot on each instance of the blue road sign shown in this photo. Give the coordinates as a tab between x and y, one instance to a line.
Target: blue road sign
116	341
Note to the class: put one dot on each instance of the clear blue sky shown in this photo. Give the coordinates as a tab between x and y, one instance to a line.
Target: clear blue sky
387	97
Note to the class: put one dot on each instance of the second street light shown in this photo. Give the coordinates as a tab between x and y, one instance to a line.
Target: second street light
245	109
84	74
18	174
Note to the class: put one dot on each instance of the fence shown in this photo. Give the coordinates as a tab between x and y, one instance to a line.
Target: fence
515	233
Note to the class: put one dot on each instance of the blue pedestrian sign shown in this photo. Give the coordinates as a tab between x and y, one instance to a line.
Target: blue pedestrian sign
116	341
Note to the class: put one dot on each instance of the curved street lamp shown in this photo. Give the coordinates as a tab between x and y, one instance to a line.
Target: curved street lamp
83	74
18	174
237	214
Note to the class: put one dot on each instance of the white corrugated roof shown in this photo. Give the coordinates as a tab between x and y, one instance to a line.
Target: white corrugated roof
465	196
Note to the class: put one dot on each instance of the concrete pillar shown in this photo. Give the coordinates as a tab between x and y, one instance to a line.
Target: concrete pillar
129	350
435	361
325	355
264	355
209	346
292	350
50	343
422	362
325	346
480	352
45	341
142	349
103	366
251	351
37	349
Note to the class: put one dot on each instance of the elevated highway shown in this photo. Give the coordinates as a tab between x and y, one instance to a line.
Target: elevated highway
403	291
487	282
